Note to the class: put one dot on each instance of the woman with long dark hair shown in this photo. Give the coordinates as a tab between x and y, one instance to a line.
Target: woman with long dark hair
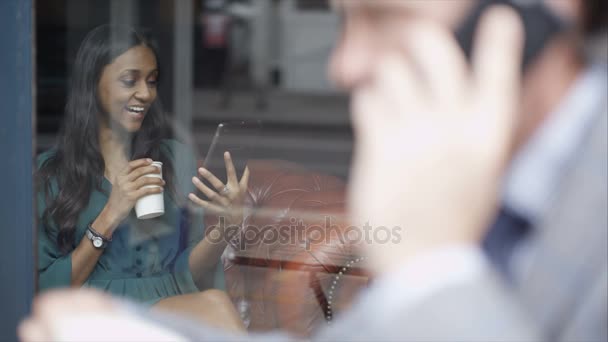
89	183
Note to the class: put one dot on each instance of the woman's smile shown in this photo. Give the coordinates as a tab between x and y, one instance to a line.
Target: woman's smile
136	112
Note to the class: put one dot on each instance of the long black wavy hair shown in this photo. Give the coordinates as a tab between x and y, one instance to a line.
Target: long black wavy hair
77	166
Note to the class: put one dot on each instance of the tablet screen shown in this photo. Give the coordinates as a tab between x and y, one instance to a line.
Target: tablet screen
240	139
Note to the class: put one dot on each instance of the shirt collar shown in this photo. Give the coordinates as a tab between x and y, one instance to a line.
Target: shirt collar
537	168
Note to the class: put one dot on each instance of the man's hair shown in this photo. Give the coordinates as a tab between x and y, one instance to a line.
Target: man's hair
595	16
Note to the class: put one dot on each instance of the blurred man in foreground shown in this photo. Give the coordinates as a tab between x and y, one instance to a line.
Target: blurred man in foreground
433	135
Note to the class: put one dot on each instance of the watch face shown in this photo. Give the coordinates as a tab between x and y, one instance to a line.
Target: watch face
97	242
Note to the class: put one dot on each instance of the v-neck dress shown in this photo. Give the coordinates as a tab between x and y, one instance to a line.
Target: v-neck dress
147	260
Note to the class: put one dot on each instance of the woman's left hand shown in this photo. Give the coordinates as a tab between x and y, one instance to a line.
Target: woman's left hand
226	199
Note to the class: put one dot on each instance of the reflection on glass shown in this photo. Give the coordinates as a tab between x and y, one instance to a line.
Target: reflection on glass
265	250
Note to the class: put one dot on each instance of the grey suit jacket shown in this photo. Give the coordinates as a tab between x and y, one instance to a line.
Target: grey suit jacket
563	297
566	289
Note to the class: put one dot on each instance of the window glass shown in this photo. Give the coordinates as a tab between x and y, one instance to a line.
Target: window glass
180	83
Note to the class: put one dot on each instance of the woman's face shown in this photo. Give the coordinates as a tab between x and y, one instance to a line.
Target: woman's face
127	87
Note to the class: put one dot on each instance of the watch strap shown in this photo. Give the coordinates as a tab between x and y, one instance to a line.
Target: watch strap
96	233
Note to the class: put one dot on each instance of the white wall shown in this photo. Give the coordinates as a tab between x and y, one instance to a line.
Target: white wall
307	38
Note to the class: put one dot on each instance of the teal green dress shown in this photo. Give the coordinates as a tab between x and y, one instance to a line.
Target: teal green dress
147	260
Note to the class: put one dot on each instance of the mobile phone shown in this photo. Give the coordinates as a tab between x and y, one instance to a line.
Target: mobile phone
237	137
540	26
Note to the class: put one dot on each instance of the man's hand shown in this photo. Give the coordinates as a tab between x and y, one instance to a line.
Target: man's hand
433	135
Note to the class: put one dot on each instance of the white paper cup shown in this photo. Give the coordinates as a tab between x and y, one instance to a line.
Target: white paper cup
153	205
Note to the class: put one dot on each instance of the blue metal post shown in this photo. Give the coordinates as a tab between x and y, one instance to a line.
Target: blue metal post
16	151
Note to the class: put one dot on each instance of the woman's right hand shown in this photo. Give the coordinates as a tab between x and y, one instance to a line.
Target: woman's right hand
129	186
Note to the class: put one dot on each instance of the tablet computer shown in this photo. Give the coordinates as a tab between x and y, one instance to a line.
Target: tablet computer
237	137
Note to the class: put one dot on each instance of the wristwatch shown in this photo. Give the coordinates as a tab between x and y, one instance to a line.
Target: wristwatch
98	240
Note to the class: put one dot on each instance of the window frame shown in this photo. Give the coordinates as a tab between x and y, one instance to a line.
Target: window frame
17	233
